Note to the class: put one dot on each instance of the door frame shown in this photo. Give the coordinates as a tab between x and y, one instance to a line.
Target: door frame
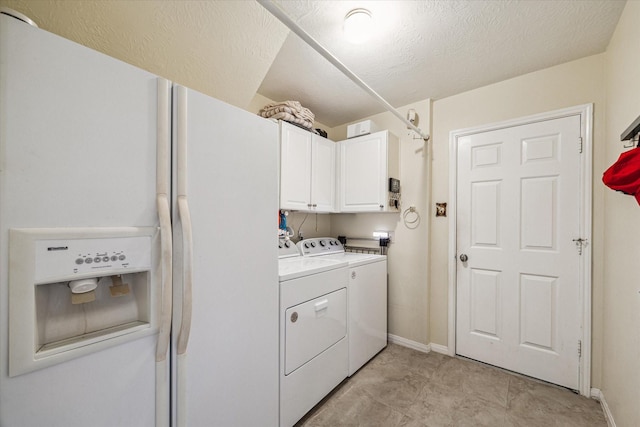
585	112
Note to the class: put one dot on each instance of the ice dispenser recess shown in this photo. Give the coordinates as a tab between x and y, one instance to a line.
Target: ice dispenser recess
74	291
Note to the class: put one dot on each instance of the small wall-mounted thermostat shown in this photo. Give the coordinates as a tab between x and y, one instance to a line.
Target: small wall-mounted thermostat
394	185
394	193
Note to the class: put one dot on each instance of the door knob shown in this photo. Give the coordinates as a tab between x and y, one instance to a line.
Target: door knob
464	258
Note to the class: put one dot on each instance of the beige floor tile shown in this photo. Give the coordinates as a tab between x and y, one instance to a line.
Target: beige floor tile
402	387
355	408
472	378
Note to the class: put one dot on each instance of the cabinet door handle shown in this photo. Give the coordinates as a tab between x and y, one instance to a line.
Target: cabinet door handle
381	206
315	205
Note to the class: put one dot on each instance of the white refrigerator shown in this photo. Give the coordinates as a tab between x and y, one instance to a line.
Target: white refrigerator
157	205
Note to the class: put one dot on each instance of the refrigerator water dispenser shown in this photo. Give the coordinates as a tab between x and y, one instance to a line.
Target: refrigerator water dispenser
75	291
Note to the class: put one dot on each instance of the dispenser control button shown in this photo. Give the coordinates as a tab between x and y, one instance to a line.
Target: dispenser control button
80	261
122	257
97	259
114	257
105	258
88	260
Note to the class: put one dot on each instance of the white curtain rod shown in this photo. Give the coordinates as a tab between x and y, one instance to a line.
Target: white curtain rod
276	11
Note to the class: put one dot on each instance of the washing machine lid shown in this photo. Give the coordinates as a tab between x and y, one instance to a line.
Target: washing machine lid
293	268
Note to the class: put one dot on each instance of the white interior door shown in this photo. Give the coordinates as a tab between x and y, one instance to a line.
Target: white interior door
518	209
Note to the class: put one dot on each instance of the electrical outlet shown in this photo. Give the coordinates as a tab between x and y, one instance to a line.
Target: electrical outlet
441	209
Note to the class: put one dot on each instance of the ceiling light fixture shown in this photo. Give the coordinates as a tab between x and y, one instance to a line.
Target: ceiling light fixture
358	25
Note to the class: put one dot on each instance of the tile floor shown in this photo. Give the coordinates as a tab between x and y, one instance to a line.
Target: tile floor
402	387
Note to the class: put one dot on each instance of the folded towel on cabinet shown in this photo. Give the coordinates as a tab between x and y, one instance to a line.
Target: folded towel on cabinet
292	119
290	111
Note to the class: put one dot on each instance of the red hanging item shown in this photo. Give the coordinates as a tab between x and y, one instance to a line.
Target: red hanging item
624	174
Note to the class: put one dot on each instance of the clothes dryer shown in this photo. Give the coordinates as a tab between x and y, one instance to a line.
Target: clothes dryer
367	295
314	347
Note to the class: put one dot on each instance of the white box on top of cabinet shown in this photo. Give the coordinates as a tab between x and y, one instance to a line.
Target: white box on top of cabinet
307	170
365	165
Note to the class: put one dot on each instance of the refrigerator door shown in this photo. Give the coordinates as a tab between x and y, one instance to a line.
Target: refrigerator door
225	322
77	149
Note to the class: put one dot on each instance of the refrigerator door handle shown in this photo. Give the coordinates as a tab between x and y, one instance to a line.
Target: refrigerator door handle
187	255
163	163
162	374
164	215
185	220
166	243
187	241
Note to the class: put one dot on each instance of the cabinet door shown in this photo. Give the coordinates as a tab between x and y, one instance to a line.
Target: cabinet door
363	172
323	174
367	312
295	168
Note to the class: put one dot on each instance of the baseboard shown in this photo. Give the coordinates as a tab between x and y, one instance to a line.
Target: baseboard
597	394
425	348
439	348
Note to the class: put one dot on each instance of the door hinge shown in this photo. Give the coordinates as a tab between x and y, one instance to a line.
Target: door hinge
579	348
580	145
580	244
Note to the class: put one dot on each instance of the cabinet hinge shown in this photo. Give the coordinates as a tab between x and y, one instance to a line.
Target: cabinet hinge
580	145
579	348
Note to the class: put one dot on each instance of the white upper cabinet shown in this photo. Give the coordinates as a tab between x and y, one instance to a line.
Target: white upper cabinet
295	168
366	164
323	174
307	170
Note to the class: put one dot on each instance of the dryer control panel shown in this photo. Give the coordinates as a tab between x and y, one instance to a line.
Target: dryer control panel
320	246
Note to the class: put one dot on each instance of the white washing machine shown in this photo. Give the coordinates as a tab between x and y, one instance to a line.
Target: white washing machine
367	294
314	348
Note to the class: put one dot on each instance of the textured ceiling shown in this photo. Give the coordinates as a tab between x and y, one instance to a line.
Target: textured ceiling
430	49
423	49
221	48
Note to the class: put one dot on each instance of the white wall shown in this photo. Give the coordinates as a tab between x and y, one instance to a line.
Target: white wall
574	83
621	346
408	253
